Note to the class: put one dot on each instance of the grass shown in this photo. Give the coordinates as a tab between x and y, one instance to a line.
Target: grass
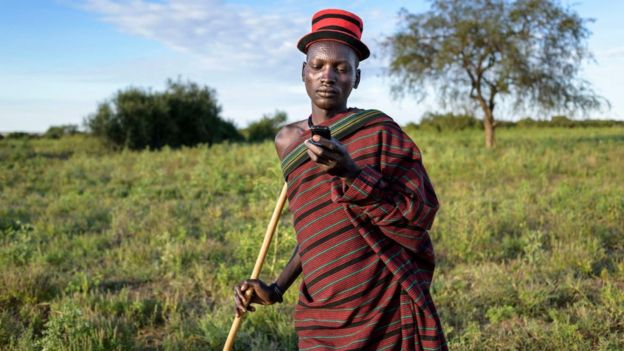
140	250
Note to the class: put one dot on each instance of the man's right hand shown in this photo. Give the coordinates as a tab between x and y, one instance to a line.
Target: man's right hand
263	294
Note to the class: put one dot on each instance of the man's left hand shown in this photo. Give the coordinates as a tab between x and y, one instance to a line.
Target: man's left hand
332	157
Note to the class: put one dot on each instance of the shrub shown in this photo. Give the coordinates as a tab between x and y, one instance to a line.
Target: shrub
21	135
449	121
266	127
57	132
501	123
527	122
566	122
562	121
185	114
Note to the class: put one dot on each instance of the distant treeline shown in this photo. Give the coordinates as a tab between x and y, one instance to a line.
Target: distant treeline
263	129
186	114
54	132
451	122
266	127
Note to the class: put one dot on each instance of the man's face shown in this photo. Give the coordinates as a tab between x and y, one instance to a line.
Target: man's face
330	74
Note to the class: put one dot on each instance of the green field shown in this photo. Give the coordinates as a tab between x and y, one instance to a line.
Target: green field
103	250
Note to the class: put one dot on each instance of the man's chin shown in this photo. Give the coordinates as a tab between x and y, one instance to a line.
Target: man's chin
328	104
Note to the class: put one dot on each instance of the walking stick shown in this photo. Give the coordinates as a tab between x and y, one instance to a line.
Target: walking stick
259	261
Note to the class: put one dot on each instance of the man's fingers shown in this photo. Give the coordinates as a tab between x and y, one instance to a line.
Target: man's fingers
247	285
312	155
312	147
327	144
321	144
240	300
317	148
246	293
320	154
240	307
248	290
240	293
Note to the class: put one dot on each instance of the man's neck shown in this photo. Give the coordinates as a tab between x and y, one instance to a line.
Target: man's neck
320	115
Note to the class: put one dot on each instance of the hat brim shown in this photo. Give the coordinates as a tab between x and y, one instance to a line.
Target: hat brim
360	48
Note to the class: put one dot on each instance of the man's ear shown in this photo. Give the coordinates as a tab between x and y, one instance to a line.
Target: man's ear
302	70
357	78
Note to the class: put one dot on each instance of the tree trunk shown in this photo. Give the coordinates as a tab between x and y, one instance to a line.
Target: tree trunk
488	123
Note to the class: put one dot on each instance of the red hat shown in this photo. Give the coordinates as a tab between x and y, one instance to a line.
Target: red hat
336	25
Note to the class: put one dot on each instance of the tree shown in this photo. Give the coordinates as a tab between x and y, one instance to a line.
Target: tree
529	51
184	114
266	128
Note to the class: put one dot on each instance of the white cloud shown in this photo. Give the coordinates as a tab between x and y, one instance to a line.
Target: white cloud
248	51
612	53
222	35
244	51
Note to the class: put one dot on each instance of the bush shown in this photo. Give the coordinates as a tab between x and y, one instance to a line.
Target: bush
21	135
566	122
448	121
57	132
527	122
562	121
183	115
501	123
265	128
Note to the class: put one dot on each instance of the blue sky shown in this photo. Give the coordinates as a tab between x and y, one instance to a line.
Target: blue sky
59	59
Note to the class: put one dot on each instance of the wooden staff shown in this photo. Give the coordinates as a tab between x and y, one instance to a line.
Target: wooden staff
259	262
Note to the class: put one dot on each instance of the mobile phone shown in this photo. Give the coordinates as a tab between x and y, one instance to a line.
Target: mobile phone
322	131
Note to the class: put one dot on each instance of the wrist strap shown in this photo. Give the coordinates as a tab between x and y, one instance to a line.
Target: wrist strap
278	292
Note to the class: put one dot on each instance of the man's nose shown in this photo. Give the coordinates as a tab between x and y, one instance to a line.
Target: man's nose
328	75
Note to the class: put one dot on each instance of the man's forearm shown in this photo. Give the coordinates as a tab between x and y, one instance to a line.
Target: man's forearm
290	272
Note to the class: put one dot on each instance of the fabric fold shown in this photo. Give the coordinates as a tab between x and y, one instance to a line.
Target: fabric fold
365	251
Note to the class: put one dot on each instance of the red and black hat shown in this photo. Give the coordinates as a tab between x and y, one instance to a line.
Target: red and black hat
336	25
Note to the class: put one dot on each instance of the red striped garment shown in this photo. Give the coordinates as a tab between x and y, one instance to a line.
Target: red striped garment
366	255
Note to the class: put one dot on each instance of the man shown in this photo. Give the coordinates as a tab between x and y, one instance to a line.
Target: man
362	204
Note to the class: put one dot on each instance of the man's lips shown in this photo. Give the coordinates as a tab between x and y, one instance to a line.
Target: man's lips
326	92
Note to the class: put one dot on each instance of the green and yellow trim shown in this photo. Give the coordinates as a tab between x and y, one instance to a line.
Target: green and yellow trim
340	129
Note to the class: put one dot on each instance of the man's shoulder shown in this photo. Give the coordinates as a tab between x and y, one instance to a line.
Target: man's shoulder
287	135
379	119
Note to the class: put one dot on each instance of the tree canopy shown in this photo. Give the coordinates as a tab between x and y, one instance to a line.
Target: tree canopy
529	51
185	114
265	128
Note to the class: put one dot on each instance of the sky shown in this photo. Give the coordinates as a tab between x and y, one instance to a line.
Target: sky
60	58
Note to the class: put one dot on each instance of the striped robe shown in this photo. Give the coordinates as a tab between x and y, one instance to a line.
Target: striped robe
366	255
